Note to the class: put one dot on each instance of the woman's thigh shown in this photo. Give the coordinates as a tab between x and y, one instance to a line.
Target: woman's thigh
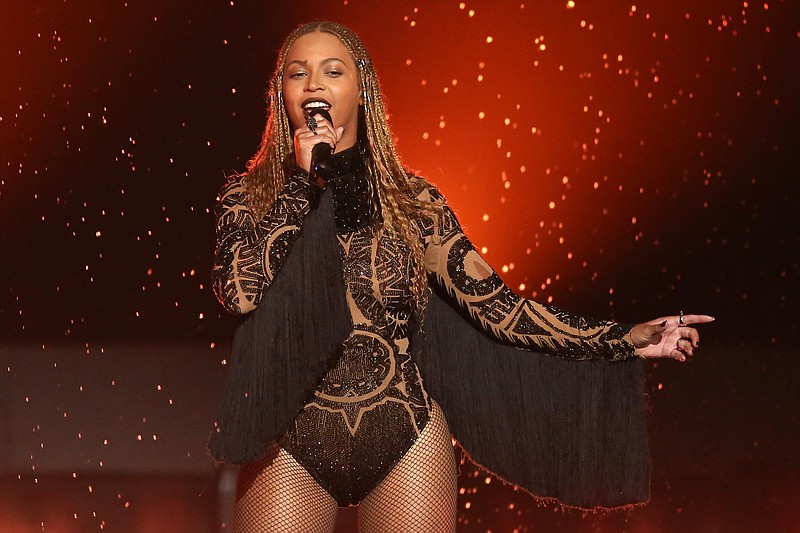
276	494
420	493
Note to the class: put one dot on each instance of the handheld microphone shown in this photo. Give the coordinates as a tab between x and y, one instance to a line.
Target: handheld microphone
322	163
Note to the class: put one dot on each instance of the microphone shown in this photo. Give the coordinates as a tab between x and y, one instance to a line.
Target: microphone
322	163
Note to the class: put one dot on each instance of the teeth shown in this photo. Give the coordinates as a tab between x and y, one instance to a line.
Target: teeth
315	105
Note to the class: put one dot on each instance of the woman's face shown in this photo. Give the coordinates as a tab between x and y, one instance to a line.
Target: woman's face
320	72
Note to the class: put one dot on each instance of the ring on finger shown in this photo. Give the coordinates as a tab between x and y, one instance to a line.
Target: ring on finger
680	318
312	124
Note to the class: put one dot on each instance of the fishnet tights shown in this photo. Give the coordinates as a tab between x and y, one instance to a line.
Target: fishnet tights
276	494
419	494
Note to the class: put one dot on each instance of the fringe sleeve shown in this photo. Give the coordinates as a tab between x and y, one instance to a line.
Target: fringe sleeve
249	253
283	348
467	280
559	427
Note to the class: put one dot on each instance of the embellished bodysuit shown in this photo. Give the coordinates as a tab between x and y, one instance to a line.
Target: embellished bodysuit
371	405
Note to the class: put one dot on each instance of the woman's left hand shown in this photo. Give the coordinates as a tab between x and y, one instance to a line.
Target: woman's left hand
668	336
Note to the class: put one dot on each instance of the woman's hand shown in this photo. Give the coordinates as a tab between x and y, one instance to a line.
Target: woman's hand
305	140
668	336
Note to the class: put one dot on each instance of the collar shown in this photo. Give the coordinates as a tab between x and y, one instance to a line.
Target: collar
347	161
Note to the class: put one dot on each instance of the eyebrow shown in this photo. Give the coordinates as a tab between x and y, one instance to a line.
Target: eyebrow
305	62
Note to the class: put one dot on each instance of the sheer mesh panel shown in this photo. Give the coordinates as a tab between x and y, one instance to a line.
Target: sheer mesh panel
419	494
276	494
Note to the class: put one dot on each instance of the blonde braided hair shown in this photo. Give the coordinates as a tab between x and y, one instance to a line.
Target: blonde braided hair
272	165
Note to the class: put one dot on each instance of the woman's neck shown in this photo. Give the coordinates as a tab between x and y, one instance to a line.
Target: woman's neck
341	147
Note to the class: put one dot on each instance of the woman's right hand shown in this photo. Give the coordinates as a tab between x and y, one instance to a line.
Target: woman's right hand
305	140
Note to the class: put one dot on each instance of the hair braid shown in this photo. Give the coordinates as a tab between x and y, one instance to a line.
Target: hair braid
269	168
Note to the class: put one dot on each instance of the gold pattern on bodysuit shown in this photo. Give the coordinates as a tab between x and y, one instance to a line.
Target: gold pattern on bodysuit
371	406
249	254
375	366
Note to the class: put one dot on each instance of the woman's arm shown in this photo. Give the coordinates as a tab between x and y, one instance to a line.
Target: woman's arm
250	253
458	270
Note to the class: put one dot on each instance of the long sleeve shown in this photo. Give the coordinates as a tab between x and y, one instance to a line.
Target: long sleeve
249	253
465	279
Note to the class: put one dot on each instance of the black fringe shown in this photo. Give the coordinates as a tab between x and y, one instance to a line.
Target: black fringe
570	430
282	350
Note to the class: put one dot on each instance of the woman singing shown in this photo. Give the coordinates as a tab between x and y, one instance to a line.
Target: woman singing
352	271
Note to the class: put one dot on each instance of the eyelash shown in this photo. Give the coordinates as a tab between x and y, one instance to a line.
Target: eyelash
334	73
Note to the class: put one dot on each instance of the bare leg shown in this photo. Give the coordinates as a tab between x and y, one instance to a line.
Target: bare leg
420	493
276	494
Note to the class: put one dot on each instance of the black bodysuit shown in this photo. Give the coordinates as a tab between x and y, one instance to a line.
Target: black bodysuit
371	406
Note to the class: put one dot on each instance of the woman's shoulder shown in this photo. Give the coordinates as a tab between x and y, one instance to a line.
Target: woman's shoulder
423	190
232	187
232	196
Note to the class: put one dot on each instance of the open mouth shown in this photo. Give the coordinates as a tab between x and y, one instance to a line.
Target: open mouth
309	106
